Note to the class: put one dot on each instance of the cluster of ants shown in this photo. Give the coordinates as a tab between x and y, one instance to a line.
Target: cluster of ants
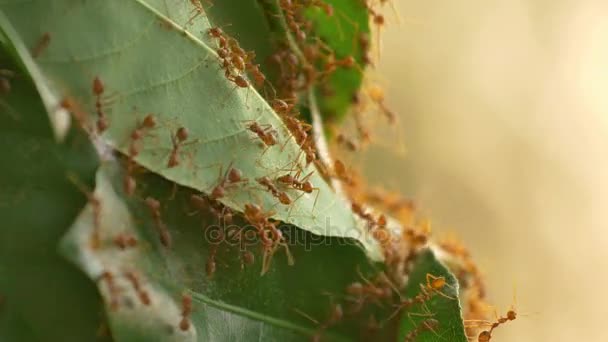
235	61
298	71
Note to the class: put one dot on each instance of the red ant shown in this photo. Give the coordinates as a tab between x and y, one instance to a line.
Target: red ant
98	90
381	289
163	231
260	220
269	185
41	45
281	107
377	95
327	8
184	324
341	173
486	335
257	74
303	184
149	122
143	295
428	324
181	135
298	128
96	208
197	11
231	177
108	277
125	240
347	142
366	216
266	133
433	285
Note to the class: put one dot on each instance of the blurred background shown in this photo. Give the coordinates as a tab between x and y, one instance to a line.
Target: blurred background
503	110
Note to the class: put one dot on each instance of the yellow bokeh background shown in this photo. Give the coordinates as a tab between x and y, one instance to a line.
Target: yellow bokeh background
503	110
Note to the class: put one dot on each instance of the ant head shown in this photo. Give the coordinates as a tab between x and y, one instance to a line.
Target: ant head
235	175
98	87
307	187
484	336
218	192
251	208
149	121
182	134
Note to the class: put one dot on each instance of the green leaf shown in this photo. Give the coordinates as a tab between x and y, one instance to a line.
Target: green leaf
234	302
343	33
44	298
149	64
443	307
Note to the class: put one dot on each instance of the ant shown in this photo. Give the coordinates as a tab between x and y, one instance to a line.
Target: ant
197	10
260	220
184	324
125	240
377	95
108	277
435	284
298	128
281	107
266	133
303	184
342	174
231	177
177	140
333	63
428	324
163	231
269	185
96	208
366	216
364	43
98	90
143	295
486	335
350	144
327	8
149	122
377	291
257	74
41	45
